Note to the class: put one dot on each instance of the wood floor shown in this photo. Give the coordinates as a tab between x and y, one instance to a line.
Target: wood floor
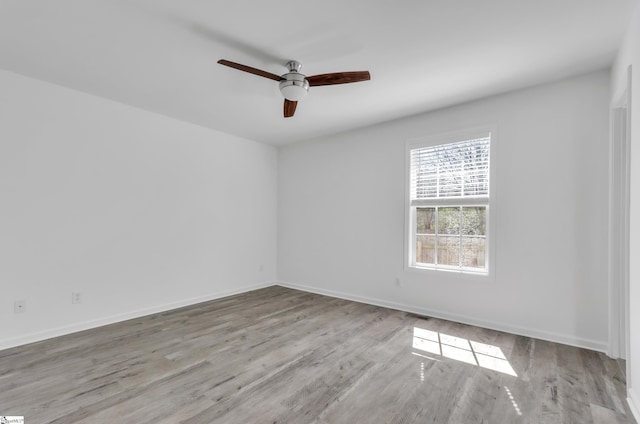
283	356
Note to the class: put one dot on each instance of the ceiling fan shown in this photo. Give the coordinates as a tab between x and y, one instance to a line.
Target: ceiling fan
294	85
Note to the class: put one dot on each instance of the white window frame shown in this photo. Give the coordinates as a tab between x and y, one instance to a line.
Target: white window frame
410	215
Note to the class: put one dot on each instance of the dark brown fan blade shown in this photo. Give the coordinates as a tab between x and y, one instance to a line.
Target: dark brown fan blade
289	108
338	78
249	69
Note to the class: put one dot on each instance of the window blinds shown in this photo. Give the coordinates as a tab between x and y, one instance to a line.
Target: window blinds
450	172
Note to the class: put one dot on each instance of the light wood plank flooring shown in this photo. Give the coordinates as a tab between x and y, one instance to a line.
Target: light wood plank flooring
278	355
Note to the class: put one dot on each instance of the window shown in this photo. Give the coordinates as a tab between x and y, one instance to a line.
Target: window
448	203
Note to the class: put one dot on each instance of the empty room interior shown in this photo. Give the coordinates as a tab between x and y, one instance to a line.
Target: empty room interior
345	212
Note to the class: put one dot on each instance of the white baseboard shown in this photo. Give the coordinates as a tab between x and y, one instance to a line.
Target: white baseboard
87	325
529	332
523	331
634	404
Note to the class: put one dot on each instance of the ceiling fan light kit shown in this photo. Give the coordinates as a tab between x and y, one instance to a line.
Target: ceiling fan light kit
294	85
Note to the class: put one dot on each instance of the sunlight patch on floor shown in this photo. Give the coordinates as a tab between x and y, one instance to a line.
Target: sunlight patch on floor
463	350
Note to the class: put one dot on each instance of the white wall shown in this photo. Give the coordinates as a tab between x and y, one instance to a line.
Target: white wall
136	211
341	215
629	55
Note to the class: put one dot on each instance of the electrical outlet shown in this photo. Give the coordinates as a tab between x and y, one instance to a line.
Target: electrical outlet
398	282
19	306
76	297
261	268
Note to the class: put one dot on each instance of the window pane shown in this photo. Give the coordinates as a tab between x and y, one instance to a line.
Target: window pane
474	251
425	220
474	240
474	221
449	220
449	236
426	249
449	250
425	240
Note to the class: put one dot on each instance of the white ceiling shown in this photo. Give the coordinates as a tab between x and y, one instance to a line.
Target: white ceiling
161	55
